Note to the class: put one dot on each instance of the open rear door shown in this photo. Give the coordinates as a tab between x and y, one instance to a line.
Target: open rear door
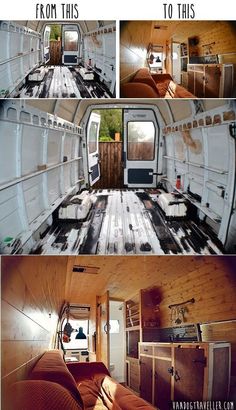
141	134
103	329
93	147
46	44
71	43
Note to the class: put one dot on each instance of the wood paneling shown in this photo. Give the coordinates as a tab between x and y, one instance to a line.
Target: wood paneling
33	290
134	40
110	154
55	52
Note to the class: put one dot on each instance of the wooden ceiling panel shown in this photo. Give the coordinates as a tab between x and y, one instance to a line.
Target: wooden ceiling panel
179	31
123	276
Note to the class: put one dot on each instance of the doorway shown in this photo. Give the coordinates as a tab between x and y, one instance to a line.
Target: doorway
117	337
126	154
62	44
176	64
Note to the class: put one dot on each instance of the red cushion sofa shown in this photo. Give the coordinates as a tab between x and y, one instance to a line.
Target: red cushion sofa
147	85
53	385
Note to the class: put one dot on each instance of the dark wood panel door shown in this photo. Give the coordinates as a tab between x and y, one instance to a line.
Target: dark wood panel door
189	367
191	82
212	81
199	84
162	384
146	378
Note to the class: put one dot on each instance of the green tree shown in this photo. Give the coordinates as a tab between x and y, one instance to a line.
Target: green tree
111	123
55	31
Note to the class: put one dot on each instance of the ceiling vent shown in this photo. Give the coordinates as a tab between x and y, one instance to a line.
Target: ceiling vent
159	27
92	270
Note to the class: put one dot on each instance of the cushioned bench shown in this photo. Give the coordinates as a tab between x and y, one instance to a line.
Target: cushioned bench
53	385
147	85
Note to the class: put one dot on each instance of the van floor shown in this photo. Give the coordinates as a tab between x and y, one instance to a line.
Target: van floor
127	222
63	82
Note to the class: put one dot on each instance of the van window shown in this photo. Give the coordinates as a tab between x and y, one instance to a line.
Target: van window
114	326
75	342
141	139
71	41
93	137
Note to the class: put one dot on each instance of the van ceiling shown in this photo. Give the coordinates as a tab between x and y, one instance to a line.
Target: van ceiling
158	32
73	110
51	281
85	26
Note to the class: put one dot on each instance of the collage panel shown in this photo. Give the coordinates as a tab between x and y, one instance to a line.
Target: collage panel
178	59
117	214
57	59
136	332
122	177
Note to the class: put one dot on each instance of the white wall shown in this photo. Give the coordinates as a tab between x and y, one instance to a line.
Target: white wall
117	342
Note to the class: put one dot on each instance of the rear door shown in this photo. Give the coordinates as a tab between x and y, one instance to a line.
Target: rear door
71	42
93	147
103	329
46	44
141	134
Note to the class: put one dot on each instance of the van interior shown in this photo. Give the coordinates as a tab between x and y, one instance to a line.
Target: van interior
176	188
135	332
178	59
63	60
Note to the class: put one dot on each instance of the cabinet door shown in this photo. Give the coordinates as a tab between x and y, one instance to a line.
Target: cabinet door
212	81
134	375
189	367
199	84
191	82
162	384
146	378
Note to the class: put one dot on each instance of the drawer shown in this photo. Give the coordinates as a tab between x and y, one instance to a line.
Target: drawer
162	351
146	349
199	68
190	67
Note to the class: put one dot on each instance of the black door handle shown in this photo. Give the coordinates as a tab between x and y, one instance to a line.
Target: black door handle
171	370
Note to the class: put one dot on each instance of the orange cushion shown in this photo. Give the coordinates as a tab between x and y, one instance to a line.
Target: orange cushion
51	367
91	395
115	393
143	76
138	90
41	395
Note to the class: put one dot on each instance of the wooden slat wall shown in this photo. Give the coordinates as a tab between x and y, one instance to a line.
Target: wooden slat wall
111	166
32	289
55	52
133	47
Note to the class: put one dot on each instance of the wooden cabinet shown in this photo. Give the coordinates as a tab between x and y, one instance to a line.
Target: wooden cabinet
210	80
132	312
162	377
132	373
189	367
142	319
146	377
187	371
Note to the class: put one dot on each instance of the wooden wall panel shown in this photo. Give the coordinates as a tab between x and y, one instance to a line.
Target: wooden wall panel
55	52
33	290
134	41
